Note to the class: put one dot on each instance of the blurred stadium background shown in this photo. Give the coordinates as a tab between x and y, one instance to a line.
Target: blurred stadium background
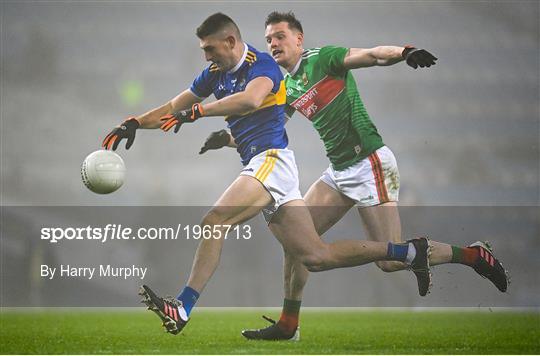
465	133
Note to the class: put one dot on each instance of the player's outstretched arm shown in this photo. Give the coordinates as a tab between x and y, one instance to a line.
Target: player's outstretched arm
243	102
369	57
388	55
150	120
237	104
248	100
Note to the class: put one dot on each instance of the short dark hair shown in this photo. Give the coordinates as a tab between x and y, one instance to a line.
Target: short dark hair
215	23
288	17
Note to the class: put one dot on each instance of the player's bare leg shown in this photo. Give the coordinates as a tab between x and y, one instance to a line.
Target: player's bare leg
244	198
326	206
293	227
382	223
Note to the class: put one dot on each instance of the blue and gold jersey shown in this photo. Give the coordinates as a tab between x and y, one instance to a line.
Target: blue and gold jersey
258	130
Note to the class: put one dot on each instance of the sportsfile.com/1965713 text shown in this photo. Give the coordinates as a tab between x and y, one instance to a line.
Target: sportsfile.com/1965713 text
111	232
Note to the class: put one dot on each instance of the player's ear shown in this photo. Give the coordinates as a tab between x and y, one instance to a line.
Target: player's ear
300	39
231	41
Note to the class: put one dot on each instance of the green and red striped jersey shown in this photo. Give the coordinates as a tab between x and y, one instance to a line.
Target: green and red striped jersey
322	90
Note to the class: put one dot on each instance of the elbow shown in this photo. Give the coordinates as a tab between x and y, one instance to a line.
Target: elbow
251	104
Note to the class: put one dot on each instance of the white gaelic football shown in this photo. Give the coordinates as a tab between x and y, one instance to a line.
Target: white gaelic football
103	171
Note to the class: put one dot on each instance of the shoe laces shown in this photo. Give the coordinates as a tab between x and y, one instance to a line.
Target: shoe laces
270	320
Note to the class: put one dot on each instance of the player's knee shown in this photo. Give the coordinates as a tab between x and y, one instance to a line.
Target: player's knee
213	217
316	261
389	266
314	265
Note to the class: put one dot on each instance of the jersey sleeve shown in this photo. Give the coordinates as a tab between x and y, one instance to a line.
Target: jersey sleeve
203	85
331	59
265	66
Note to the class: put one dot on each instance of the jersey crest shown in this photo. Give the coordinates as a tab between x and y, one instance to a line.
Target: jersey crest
305	79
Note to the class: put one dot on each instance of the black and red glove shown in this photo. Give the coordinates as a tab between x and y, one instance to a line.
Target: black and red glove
418	57
126	129
181	117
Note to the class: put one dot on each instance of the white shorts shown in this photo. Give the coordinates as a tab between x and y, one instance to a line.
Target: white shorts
276	170
371	181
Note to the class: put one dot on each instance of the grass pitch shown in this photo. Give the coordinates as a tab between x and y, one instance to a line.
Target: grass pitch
322	332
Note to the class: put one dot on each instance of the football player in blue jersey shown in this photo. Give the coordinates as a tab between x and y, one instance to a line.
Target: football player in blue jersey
251	96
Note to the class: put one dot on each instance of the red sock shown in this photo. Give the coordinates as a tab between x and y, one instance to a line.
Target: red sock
465	255
288	321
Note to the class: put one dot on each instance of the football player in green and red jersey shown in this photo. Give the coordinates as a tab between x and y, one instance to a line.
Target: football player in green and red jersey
363	171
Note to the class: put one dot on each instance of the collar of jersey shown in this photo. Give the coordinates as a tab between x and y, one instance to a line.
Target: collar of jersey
296	67
239	64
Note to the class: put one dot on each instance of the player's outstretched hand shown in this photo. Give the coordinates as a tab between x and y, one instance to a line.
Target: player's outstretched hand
418	57
215	141
178	118
126	129
169	121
